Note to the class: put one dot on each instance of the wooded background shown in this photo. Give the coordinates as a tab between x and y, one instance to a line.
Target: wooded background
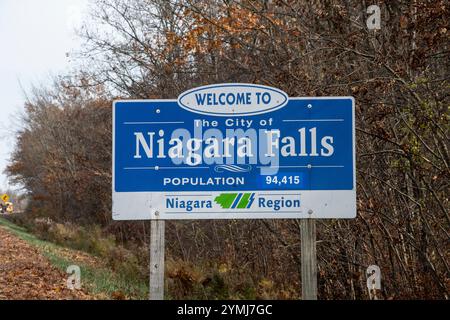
142	49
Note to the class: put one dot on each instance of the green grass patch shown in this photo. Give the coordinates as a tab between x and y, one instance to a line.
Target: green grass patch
97	280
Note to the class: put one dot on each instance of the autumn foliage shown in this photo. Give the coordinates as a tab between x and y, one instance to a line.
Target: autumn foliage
157	49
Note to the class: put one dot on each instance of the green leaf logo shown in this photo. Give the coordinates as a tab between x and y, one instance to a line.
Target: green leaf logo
235	200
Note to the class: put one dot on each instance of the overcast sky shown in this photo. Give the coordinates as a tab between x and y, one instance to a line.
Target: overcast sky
35	36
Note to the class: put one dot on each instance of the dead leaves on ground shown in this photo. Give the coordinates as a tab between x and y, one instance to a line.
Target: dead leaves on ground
26	274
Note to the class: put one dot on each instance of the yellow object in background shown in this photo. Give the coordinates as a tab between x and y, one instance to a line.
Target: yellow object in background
5	197
9	207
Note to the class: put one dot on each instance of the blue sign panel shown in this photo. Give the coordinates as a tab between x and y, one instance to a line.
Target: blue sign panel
229	143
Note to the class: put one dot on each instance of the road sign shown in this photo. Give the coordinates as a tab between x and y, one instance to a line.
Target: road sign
234	151
5	197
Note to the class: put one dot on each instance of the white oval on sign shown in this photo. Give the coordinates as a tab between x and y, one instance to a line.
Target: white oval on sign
236	99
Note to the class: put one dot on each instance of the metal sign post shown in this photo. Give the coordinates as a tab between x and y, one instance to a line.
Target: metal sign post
308	259
157	247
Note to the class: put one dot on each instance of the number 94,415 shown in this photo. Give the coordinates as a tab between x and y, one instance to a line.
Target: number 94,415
279	180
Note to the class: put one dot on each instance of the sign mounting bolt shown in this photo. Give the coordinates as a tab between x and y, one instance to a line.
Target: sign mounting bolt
309	106
310	211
